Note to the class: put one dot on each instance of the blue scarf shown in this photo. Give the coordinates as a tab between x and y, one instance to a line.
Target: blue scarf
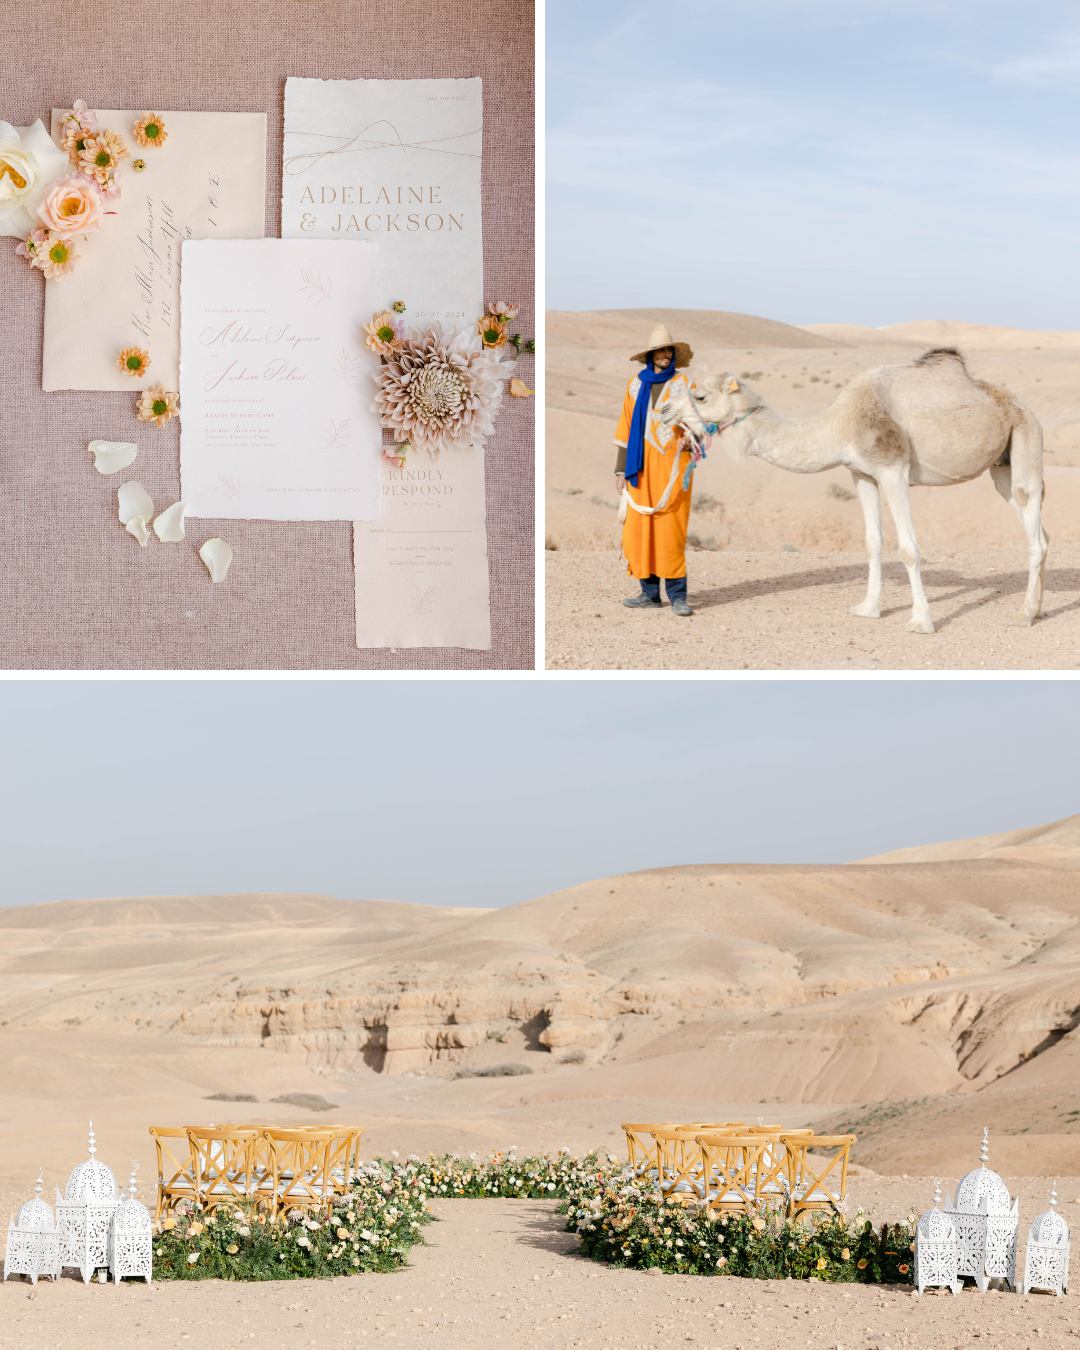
635	446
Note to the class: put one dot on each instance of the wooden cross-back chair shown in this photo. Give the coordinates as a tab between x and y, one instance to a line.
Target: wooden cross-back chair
641	1147
176	1179
818	1183
300	1168
223	1163
731	1164
341	1162
678	1164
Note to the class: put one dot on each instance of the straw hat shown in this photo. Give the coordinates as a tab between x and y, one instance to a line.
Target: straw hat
660	337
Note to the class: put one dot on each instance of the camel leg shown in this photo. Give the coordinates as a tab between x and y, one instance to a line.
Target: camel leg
1021	484
870	501
897	492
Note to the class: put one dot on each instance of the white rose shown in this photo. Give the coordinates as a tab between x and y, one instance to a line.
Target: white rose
29	162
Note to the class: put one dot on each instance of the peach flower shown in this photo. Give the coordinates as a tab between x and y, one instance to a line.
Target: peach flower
59	258
502	310
101	155
492	330
79	123
157	405
383	333
33	247
151	130
133	361
71	205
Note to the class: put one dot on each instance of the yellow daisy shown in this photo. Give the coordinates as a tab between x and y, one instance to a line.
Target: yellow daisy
157	405
133	361
151	130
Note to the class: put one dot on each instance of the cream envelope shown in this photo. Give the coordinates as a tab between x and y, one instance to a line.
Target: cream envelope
208	181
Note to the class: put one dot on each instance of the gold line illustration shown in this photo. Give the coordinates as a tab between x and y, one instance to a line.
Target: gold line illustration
352	144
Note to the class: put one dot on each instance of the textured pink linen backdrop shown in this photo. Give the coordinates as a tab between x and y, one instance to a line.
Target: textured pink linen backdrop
76	591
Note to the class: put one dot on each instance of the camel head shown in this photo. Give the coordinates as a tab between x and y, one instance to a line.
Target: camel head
717	401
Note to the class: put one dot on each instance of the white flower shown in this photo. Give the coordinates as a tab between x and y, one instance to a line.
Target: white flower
551	1185
244	1232
192	1258
303	1240
29	162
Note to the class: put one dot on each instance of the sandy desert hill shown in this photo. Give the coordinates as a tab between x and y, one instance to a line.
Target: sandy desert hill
941	981
753	506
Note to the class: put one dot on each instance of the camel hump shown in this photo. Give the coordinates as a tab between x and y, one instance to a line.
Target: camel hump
938	355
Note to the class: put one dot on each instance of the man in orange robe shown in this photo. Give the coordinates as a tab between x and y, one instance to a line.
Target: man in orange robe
650	470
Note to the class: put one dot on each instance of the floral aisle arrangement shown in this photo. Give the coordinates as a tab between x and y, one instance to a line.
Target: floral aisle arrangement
505	1175
439	389
370	1229
626	1225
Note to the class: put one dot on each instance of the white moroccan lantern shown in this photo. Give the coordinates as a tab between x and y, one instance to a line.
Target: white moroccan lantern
131	1237
84	1213
1047	1263
33	1244
986	1225
936	1252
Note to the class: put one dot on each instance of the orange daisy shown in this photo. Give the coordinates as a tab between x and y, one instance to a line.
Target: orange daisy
493	330
157	405
151	130
133	361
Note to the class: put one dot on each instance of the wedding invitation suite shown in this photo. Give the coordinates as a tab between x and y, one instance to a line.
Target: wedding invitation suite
276	380
422	568
398	162
207	181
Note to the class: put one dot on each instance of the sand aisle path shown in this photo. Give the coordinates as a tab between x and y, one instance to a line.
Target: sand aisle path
791	611
504	1273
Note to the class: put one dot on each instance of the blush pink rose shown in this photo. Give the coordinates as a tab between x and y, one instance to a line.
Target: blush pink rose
71	205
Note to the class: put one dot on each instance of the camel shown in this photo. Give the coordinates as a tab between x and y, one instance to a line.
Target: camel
930	424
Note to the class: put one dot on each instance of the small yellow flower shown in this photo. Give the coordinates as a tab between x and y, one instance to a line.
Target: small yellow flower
233	1249
170	1223
493	330
399	306
133	361
845	1255
157	405
151	130
195	1230
343	1232
822	1263
139	165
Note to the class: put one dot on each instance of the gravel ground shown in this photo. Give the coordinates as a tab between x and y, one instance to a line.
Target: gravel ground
790	611
504	1273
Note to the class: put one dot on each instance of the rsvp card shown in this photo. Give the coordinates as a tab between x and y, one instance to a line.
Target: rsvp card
422	567
276	380
208	181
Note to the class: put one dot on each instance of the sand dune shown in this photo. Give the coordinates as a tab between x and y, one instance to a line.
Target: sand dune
950	333
628	328
949	971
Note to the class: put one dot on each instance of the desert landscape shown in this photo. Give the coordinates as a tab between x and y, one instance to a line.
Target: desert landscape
912	998
777	559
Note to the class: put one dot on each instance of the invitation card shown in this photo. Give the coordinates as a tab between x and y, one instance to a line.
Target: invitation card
206	181
422	568
397	162
276	380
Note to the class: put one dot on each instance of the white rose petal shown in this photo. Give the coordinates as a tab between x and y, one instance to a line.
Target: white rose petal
217	556
30	153
112	456
169	526
136	509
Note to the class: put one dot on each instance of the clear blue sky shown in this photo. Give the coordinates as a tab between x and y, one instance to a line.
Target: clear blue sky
481	793
815	161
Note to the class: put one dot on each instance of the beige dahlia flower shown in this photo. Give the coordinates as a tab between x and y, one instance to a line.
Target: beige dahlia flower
440	390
